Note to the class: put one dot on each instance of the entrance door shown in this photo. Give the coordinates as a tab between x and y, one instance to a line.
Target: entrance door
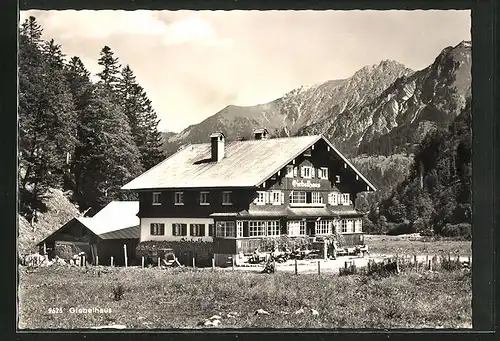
310	228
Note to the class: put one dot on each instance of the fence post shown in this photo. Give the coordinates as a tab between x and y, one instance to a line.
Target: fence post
97	260
194	263
125	254
142	261
296	266
430	265
274	265
112	263
469	261
213	264
345	265
426	260
232	262
159	262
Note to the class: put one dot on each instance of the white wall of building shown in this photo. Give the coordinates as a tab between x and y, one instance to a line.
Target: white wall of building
146	228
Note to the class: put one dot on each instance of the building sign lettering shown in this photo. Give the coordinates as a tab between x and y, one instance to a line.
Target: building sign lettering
305	184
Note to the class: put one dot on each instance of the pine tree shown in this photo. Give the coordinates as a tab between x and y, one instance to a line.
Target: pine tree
109	157
46	115
142	119
111	68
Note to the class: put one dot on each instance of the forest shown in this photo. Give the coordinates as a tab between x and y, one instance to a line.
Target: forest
85	137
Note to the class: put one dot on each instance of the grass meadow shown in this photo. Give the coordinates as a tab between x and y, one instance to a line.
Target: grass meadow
175	298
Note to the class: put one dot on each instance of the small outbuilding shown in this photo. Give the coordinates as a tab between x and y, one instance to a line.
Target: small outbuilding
109	233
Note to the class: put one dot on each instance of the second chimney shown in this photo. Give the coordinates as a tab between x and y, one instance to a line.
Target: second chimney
217	146
260	134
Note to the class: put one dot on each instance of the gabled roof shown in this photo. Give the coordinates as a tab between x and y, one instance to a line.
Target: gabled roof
246	164
118	220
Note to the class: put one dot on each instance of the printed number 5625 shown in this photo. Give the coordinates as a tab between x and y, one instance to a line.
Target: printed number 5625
55	310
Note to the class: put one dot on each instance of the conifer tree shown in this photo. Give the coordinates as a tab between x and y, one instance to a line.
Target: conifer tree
109	157
110	73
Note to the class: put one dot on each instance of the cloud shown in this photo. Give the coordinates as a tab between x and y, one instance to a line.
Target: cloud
100	25
194	63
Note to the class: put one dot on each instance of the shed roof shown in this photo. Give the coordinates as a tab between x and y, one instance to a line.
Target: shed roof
245	164
117	220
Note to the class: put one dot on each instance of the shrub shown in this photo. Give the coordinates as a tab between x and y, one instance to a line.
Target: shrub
118	291
450	264
350	270
402	228
463	229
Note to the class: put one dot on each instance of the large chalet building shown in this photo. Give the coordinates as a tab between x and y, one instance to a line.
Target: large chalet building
236	193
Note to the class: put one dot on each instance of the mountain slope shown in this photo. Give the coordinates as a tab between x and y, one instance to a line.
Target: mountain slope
300	107
414	105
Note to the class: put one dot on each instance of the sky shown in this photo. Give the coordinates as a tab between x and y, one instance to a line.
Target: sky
193	64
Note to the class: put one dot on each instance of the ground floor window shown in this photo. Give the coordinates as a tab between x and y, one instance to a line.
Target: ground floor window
157	229
350	226
197	230
344	226
296	227
239	229
225	229
256	228
179	229
273	228
324	227
358	227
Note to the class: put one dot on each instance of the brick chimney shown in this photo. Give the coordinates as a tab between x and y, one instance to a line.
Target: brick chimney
260	134
217	141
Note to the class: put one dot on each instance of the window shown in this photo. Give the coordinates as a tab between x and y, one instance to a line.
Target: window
225	229
179	229
307	152
261	198
333	198
276	197
204	198
289	171
239	228
337	179
296	228
306	172
323	173
323	227
257	228
358	227
297	197
226	198
344	226
317	197
273	228
345	199
197	230
179	198
157	229
156	198
350	226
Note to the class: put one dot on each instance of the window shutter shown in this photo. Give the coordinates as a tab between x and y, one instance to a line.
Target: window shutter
162	229
211	230
184	229
282	194
191	230
173	230
151	231
295	171
202	230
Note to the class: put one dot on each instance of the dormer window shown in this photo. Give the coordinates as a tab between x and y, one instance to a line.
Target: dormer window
306	172
307	152
156	198
289	171
204	198
261	198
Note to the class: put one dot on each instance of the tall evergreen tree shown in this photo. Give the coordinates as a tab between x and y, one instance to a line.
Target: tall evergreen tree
110	73
109	157
142	119
47	117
